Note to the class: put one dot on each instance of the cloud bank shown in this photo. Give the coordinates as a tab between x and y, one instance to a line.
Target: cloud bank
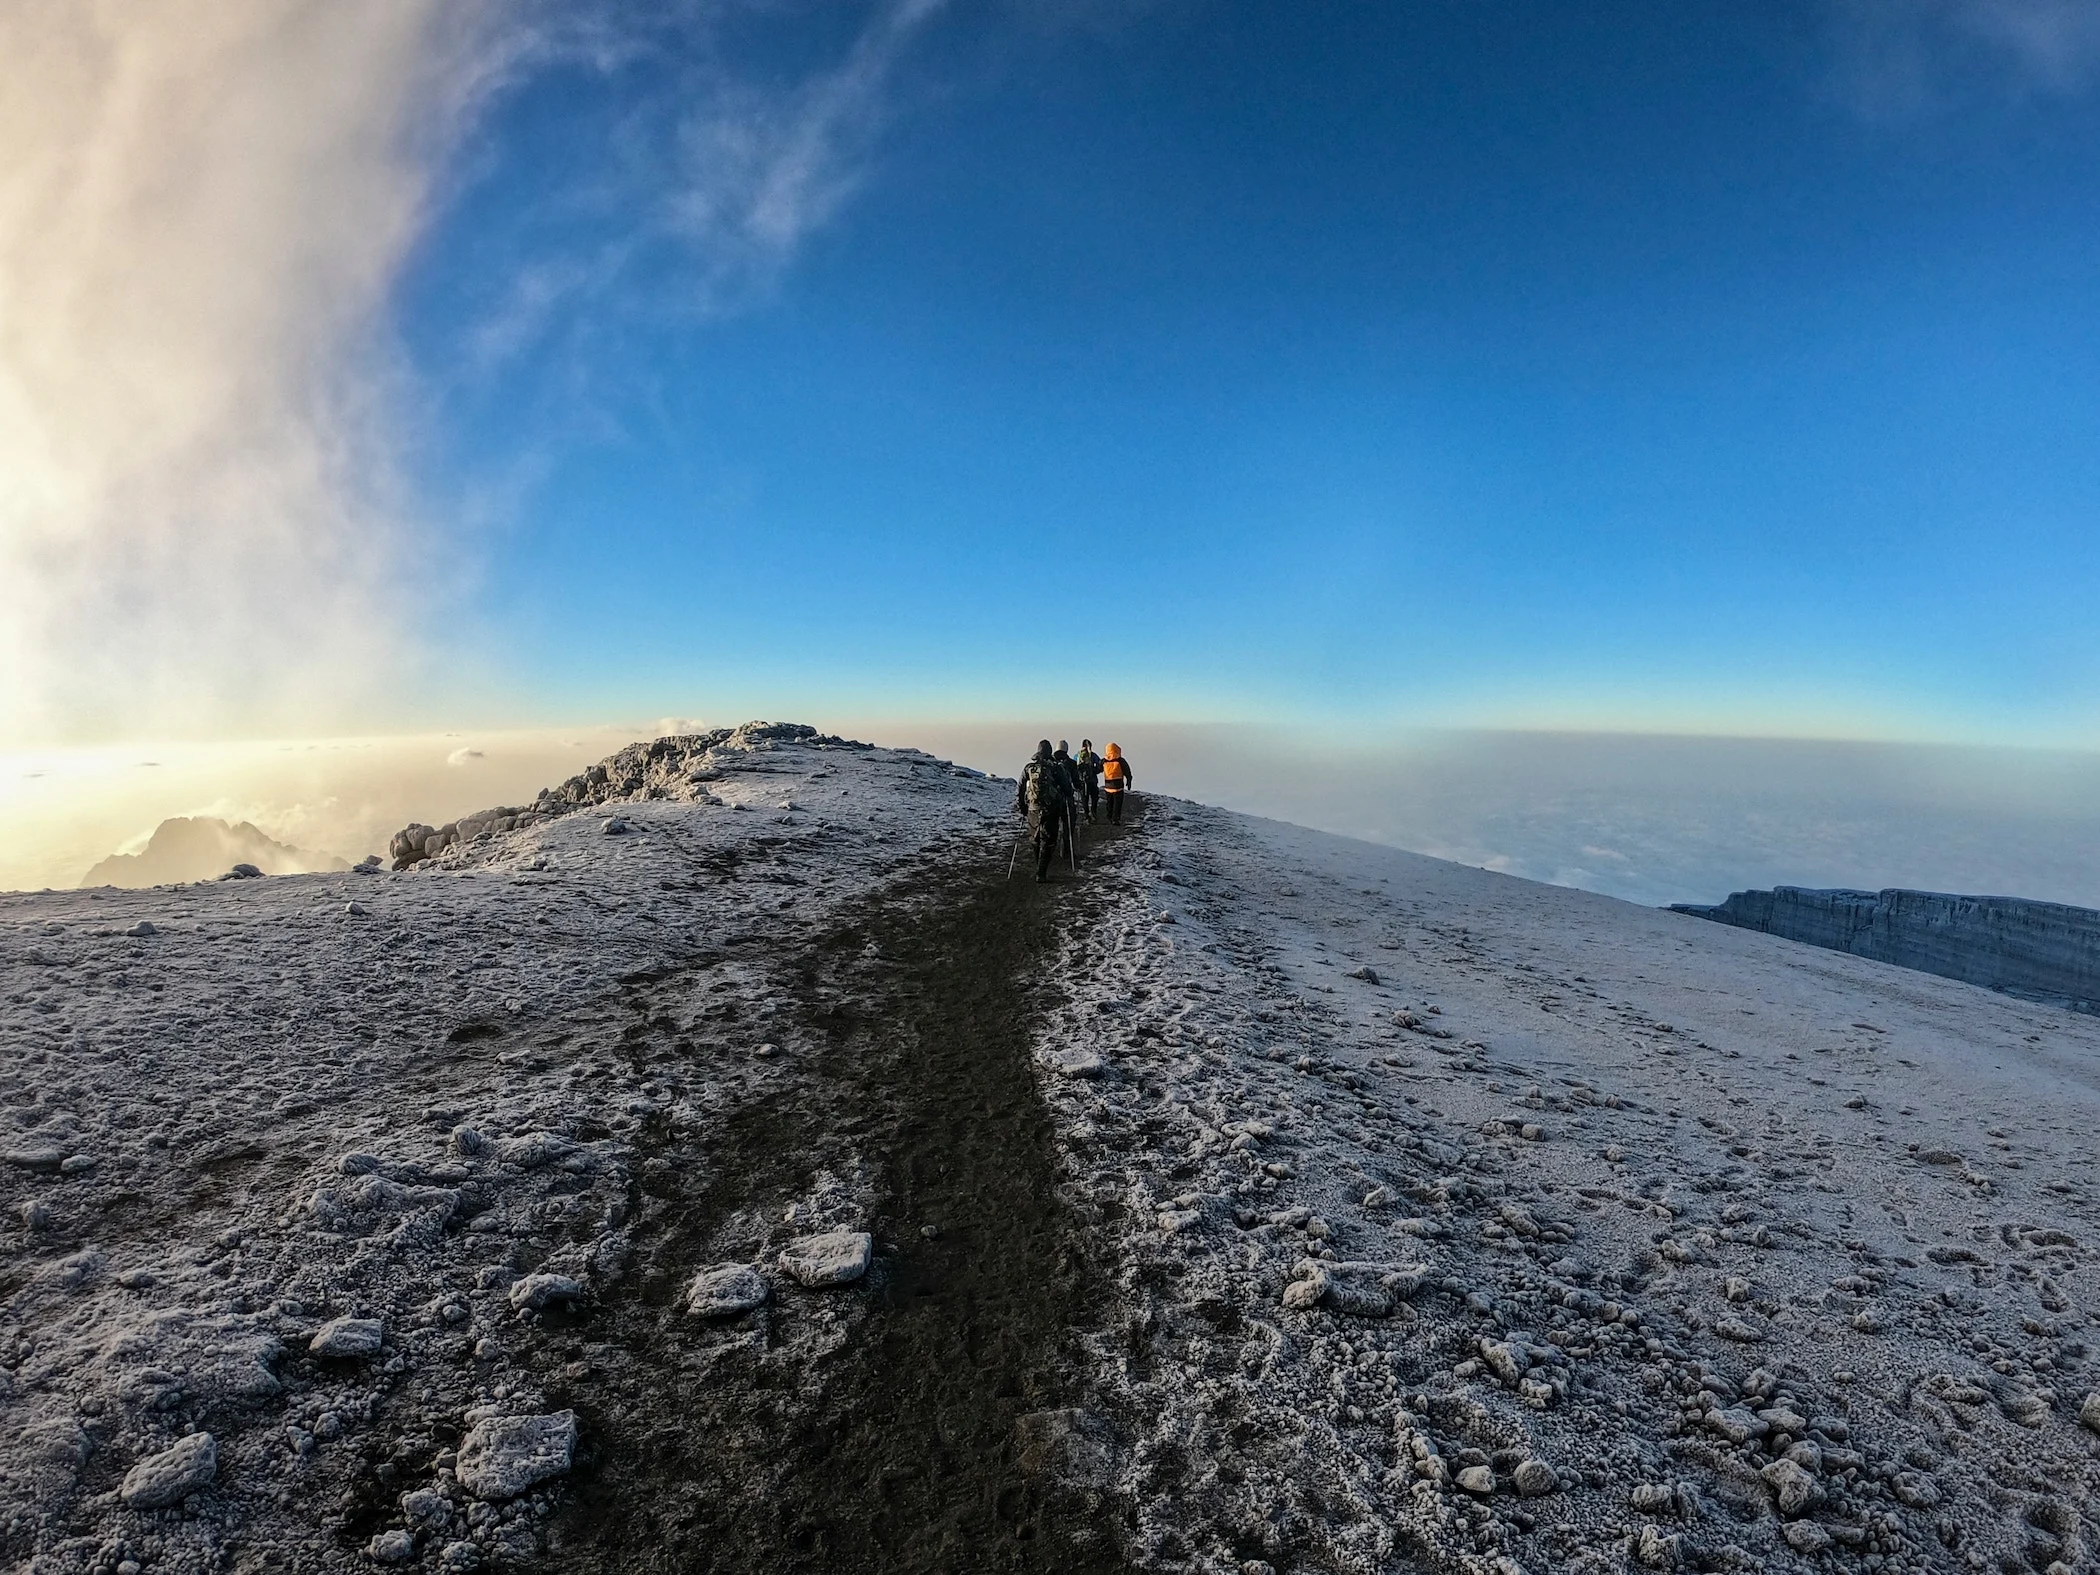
202	518
206	523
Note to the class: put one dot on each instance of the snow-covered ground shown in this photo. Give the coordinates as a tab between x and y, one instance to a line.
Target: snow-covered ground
1418	1217
1584	1236
418	1101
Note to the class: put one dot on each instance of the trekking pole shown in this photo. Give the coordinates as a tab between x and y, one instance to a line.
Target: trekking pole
1010	858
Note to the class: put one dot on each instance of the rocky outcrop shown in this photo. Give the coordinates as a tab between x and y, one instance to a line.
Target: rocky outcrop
2043	949
676	767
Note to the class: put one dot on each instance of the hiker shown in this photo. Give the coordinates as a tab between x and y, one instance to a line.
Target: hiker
1045	797
1070	767
1089	765
1075	791
1117	780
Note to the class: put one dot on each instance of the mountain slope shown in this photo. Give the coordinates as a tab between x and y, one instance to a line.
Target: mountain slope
1258	1198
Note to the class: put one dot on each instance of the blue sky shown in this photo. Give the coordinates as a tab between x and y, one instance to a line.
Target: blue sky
1638	365
1727	368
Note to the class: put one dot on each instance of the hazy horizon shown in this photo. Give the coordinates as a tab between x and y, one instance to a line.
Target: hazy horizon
1650	818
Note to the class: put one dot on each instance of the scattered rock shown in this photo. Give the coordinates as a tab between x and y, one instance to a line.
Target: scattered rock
426	1508
80	1269
392	1547
1361	1290
835	1258
1736	1425
348	1337
537	1292
1368	974
1656	1551
143	928
1535	1479
725	1291
2089	1411
1805	1536
1791	1485
1073	1063
534	1149
503	1456
173	1474
1477	1479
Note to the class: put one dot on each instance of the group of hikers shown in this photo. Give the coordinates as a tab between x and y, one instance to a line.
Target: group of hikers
1057	787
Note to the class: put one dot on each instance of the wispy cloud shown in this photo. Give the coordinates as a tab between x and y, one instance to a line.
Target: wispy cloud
1901	58
202	210
715	175
758	171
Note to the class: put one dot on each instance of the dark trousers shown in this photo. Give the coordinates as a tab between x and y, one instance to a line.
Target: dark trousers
1115	806
1048	828
1093	798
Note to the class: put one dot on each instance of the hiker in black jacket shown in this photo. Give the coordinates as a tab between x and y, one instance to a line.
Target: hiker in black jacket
1045	797
1089	765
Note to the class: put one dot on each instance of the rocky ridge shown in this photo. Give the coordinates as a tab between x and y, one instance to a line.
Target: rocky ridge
2047	950
676	768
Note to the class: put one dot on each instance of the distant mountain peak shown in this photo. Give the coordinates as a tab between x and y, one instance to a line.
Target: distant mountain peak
202	847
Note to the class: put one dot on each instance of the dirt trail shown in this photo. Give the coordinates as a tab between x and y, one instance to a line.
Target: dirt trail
895	1447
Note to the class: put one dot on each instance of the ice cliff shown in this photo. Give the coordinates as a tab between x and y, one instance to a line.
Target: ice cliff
2043	949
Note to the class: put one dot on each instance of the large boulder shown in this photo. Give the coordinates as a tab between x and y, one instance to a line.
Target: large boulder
503	1456
173	1474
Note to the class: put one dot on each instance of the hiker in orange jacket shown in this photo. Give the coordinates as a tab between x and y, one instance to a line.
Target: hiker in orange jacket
1116	780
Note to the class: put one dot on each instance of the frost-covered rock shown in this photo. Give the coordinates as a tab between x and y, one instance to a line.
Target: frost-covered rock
173	1474
834	1258
392	1547
348	1337
503	1456
1072	1062
725	1291
1362	1290
537	1292
534	1149
1792	1486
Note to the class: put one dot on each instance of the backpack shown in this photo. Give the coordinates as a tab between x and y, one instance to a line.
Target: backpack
1040	781
1114	770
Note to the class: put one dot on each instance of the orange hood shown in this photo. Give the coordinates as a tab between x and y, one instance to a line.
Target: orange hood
1115	751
